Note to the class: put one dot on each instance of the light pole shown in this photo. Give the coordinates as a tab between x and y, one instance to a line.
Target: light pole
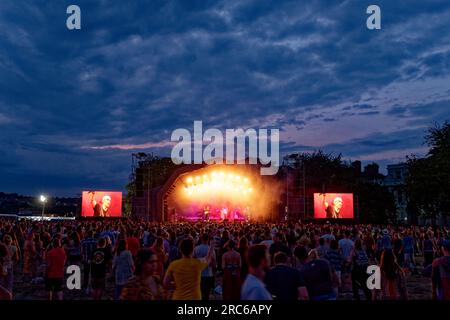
43	199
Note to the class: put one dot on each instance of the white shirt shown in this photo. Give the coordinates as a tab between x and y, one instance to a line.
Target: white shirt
267	243
254	289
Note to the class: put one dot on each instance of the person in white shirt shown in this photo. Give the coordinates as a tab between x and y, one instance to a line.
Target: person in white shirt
267	240
253	287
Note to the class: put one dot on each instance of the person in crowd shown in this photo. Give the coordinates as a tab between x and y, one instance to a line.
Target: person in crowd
397	246
393	281
439	242
185	273
231	265
88	246
221	247
359	271
408	252
323	248
29	258
243	251
313	254
284	282
174	251
123	267
346	246
268	241
428	250
133	243
298	262
334	257
278	245
145	285
386	242
5	294
441	274
73	249
166	245
253	287
158	249
369	245
39	258
9	261
418	237
101	260
56	259
207	277
328	236
318	276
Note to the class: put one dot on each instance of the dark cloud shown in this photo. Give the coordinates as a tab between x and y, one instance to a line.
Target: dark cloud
138	70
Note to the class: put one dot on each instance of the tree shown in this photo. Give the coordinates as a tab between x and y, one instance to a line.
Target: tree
376	204
428	182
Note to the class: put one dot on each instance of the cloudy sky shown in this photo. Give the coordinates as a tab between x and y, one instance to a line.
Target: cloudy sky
74	105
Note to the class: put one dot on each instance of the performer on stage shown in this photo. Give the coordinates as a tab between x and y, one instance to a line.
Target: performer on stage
206	213
224	213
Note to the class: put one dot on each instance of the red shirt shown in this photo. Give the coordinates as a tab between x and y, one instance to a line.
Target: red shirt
56	258
133	245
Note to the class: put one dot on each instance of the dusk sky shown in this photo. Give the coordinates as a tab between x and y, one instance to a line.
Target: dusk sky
75	104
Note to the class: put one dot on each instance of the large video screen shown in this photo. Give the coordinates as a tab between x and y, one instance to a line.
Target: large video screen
333	206
101	204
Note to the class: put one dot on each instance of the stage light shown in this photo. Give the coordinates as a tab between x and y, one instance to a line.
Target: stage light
238	178
189	179
246	180
197	178
250	189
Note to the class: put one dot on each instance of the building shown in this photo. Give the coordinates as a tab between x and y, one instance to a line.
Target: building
372	174
395	182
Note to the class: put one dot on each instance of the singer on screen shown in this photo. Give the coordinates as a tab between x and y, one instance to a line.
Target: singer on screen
333	210
101	209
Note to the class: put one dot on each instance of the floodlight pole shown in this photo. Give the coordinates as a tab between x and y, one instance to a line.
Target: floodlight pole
43	209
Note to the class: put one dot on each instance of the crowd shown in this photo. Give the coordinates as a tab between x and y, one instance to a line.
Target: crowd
234	261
